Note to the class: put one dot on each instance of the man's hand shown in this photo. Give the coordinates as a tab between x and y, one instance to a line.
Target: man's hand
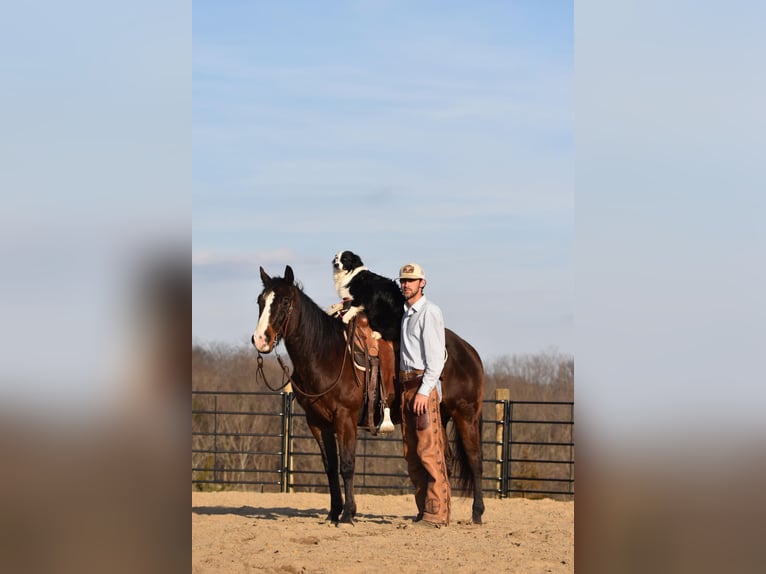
420	404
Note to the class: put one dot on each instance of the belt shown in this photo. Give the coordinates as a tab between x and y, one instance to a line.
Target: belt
411	374
411	379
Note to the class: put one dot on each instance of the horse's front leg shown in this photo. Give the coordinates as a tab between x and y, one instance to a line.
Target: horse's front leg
325	437
346	431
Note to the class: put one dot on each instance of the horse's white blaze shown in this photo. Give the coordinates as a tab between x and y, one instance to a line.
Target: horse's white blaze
260	340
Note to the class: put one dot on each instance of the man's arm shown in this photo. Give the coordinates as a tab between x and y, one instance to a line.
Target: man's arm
433	351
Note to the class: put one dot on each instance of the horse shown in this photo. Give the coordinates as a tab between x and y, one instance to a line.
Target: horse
325	387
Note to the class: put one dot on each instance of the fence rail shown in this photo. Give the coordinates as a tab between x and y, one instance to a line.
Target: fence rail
259	439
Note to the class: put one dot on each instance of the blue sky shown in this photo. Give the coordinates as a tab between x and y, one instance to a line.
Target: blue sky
403	131
437	132
96	128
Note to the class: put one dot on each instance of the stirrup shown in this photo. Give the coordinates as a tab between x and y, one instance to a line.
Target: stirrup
386	426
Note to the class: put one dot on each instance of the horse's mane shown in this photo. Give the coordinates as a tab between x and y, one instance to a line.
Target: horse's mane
321	333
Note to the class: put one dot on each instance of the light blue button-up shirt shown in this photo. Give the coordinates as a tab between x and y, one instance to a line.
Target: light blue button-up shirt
422	344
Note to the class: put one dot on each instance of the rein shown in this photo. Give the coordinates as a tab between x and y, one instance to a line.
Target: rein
286	376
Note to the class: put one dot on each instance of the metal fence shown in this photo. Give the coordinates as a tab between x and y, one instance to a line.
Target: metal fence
260	440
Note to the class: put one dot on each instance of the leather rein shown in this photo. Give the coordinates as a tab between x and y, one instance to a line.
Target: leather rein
287	379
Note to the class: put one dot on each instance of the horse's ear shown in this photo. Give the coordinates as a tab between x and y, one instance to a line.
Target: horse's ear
289	277
265	278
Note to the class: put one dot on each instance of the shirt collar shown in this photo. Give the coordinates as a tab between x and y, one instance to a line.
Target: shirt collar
416	307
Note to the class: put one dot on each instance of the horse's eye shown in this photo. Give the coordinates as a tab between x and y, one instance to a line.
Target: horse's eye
285	302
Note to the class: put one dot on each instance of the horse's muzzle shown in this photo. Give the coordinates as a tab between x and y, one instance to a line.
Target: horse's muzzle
262	343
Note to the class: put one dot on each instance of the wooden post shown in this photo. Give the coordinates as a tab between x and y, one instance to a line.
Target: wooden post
501	395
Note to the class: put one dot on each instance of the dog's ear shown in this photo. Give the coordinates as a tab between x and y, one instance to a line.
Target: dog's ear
356	261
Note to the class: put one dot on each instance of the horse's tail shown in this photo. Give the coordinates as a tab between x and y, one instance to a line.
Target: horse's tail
460	463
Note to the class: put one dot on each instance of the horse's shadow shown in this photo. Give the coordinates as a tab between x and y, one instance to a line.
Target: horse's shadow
261	513
276	513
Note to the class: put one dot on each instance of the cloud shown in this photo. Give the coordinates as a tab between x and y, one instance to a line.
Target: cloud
212	265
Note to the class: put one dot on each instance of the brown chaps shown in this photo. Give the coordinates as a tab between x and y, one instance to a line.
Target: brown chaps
424	451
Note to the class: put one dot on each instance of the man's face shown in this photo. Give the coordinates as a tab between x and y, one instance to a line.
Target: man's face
410	287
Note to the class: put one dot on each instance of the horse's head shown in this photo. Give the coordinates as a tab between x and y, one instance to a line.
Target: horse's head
275	306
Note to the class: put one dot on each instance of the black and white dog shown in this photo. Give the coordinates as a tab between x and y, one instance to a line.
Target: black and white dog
361	289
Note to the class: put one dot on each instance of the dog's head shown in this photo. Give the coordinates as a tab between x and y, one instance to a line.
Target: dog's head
346	262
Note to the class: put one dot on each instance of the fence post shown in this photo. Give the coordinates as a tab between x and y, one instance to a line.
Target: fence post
286	458
503	395
215	438
571	449
508	445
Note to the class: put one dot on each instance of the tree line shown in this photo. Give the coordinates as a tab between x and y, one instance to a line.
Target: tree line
546	376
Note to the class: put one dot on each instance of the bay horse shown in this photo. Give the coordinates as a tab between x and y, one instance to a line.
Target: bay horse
325	387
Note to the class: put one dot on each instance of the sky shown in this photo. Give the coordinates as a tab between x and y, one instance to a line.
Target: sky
96	128
607	199
594	183
434	132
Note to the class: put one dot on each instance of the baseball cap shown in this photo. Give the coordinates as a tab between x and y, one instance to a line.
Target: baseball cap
411	271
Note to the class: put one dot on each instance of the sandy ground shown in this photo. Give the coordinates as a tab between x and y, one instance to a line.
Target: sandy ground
287	533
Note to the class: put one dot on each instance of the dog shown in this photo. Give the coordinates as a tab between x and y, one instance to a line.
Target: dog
362	290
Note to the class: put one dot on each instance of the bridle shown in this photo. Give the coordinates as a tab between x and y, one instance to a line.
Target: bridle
281	332
287	378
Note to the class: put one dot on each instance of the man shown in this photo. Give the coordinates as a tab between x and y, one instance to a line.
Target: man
422	360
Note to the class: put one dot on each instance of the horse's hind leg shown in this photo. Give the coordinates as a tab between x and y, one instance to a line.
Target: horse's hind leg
469	429
329	450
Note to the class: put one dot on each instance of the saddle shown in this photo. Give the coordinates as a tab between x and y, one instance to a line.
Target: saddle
375	359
